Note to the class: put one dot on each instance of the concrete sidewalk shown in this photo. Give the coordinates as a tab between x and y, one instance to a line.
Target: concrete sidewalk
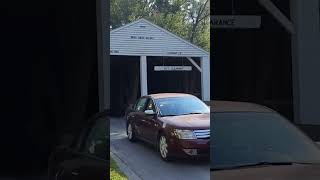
124	167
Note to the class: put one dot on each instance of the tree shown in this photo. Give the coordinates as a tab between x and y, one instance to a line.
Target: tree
199	12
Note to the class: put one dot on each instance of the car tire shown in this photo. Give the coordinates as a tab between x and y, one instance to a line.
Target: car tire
130	133
163	148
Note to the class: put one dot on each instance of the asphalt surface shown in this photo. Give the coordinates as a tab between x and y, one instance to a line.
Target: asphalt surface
145	162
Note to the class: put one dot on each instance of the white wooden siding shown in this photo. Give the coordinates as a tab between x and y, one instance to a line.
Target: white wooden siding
163	43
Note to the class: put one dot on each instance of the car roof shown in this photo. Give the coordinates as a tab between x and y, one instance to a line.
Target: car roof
233	106
168	95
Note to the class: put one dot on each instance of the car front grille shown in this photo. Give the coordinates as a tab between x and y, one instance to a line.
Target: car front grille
202	134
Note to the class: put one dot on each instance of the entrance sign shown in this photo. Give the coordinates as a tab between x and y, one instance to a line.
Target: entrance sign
235	21
172	68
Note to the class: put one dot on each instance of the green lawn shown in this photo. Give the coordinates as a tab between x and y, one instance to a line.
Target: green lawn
115	173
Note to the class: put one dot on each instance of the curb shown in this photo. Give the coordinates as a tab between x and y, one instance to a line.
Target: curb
123	166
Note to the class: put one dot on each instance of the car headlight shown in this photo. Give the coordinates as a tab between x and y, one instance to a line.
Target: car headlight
184	134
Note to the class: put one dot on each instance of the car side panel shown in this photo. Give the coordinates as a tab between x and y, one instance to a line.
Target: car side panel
151	128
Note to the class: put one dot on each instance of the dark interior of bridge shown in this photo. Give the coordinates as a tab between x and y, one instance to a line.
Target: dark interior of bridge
252	65
125	79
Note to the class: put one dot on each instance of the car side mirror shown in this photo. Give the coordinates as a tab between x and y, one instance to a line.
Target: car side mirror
149	112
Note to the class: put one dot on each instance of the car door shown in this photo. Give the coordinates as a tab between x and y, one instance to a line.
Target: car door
137	117
87	159
149	123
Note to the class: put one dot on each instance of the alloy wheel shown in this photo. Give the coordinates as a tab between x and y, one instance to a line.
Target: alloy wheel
129	131
163	147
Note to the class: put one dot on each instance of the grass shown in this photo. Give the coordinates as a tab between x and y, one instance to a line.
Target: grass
115	173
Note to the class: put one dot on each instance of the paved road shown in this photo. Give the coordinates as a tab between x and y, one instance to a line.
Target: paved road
144	161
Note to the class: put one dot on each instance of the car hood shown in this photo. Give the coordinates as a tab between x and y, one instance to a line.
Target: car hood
286	172
193	121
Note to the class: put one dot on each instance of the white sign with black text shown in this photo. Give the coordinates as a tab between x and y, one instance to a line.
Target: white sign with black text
235	21
172	68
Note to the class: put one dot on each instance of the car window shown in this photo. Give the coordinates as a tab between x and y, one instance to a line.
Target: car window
150	105
141	104
181	105
97	141
257	137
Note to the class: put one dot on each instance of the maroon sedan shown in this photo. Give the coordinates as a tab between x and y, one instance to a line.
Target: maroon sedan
177	124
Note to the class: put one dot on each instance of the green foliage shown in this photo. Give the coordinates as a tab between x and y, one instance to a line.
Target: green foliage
115	173
188	19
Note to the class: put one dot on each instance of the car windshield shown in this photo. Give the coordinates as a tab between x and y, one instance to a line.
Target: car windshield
241	139
175	106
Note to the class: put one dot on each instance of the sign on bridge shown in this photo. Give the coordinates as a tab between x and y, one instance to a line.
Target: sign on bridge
235	21
172	68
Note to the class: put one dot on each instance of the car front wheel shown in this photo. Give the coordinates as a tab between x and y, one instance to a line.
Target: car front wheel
131	133
163	148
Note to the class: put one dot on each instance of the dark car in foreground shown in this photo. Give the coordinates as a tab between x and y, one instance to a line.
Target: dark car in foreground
86	156
254	142
177	124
